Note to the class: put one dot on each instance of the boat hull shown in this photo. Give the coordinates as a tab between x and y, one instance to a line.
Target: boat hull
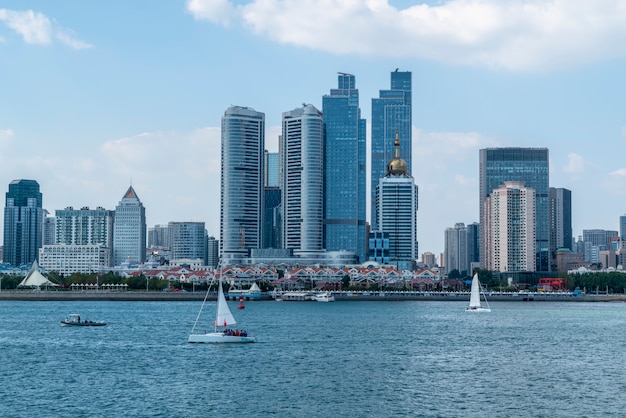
477	310
82	324
220	338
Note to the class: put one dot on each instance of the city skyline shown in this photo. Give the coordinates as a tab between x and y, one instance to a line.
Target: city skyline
102	95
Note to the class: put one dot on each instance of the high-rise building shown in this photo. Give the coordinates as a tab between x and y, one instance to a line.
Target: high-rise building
473	245
272	169
344	170
560	220
159	237
456	249
84	226
272	218
129	230
531	166
596	240
302	161
391	112
23	219
396	211
622	228
49	229
242	183
213	251
188	240
509	228
429	259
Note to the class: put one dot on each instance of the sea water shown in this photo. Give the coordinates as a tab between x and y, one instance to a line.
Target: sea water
356	359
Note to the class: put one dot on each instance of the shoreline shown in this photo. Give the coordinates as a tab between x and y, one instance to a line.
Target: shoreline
130	296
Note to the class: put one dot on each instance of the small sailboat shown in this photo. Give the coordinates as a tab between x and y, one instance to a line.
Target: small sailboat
224	319
475	304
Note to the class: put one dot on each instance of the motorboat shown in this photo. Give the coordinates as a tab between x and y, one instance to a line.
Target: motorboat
323	297
73	320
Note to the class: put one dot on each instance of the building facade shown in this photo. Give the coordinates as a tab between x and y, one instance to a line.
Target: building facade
560	220
596	240
67	259
129	230
272	218
49	229
242	182
84	226
23	222
272	169
213	251
509	228
344	169
456	249
188	240
396	211
528	165
391	112
473	245
302	161
159	237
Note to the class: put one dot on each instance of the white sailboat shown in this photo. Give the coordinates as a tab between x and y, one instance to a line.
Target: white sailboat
475	305
224	319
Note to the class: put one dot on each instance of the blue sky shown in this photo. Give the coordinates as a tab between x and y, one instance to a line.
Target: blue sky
94	95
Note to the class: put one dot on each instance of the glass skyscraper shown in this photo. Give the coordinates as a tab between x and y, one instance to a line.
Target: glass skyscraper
302	177
23	218
188	240
560	219
391	112
272	169
344	170
530	166
242	184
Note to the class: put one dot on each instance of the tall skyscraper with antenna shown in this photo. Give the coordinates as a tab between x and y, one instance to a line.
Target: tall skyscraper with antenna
391	112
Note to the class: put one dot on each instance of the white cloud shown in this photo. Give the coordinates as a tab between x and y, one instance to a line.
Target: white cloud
216	11
442	148
575	164
6	134
619	173
37	28
67	39
518	35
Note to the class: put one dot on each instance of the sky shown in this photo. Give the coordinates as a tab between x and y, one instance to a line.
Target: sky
96	96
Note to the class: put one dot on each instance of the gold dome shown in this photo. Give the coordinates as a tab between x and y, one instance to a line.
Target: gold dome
397	166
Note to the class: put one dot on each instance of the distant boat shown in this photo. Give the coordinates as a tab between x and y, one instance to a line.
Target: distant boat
73	320
224	320
323	297
475	304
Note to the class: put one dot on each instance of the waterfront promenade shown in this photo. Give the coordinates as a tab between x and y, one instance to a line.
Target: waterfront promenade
138	296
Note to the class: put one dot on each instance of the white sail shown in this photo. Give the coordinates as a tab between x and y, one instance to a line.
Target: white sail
475	294
223	316
475	305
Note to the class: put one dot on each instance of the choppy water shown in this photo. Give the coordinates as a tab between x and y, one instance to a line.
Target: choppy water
358	359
